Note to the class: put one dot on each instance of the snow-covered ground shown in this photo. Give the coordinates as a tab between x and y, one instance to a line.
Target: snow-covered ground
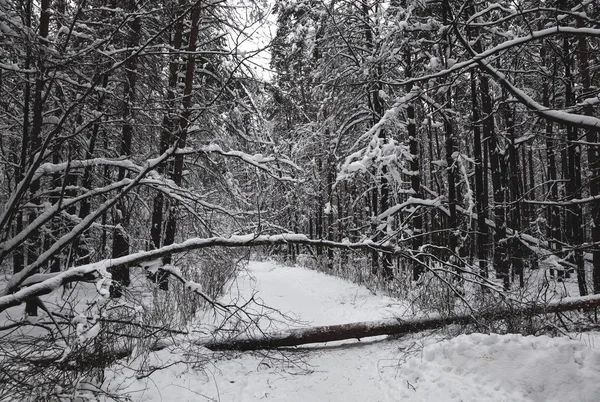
414	368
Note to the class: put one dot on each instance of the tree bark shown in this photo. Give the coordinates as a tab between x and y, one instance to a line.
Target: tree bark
453	243
553	232
81	249
19	254
329	182
35	139
380	193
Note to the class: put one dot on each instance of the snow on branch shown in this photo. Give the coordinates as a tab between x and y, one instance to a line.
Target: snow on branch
512	13
378	152
85	223
410	202
50	168
52	210
51	282
90	88
536	245
257	160
15	68
479	58
558	116
573	201
189	198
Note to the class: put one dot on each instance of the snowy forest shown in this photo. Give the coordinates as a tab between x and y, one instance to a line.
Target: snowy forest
166	165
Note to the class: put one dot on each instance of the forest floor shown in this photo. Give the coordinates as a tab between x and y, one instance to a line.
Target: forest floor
421	367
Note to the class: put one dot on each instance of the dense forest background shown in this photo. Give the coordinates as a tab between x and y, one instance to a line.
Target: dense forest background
443	150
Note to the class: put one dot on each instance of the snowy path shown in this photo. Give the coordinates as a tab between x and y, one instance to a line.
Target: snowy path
316	298
467	368
339	373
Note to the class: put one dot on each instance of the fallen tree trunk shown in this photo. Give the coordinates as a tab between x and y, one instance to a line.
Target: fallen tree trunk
396	326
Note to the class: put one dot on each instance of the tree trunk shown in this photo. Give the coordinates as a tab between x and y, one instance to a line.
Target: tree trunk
451	162
498	180
181	136
453	244
359	330
329	182
381	192
19	253
516	255
415	178
166	139
553	232
480	190
120	245
574	216
81	249
35	141
593	155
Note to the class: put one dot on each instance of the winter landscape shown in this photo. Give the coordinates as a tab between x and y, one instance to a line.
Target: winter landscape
299	200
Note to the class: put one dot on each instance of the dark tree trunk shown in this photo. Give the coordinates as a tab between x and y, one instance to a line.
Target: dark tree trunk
574	217
415	178
593	155
381	193
553	212
516	250
451	169
496	161
167	138
498	183
480	190
81	248
454	242
120	244
181	136
19	253
374	213
35	143
329	181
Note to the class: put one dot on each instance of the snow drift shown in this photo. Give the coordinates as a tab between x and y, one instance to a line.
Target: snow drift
503	368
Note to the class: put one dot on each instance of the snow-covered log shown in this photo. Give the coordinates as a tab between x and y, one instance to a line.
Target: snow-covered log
396	326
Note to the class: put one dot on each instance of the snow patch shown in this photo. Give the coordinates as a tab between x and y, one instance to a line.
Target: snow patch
511	367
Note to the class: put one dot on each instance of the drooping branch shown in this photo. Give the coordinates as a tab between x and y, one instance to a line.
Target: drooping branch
557	116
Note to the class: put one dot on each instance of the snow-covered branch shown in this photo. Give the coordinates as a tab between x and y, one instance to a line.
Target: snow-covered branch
558	116
85	223
52	282
257	160
574	201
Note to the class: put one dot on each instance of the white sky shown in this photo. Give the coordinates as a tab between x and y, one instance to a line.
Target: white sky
256	37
